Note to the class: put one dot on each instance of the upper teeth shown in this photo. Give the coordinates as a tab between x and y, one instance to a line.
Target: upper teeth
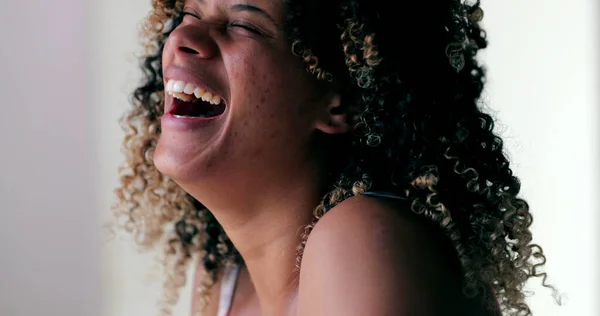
187	91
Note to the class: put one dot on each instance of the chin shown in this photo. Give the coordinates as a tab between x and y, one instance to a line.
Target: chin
181	162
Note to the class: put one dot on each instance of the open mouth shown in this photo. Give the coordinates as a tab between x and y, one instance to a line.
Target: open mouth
190	101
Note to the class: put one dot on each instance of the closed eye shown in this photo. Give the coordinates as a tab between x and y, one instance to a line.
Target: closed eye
241	25
247	27
184	13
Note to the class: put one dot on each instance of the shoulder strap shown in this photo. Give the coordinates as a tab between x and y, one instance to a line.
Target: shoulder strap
230	275
384	194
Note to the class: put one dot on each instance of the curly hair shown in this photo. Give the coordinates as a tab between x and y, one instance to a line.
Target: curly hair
409	76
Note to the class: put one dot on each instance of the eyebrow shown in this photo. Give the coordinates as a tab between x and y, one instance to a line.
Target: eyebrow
247	7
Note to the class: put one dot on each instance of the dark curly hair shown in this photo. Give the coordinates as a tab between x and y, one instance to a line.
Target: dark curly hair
408	75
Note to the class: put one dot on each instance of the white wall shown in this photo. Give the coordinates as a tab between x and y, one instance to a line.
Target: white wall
59	149
49	259
543	61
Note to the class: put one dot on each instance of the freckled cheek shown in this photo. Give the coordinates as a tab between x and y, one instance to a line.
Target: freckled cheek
260	93
266	104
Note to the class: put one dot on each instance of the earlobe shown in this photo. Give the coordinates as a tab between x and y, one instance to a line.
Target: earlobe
334	119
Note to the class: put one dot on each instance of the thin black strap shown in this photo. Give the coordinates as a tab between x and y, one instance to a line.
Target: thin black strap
384	194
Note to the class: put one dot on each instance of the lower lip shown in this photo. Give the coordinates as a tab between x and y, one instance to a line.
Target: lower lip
185	123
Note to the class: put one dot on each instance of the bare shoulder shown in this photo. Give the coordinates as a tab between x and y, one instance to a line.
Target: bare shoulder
372	256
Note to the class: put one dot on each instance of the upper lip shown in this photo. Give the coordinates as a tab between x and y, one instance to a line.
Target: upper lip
195	78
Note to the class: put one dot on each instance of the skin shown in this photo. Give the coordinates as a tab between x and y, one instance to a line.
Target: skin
259	169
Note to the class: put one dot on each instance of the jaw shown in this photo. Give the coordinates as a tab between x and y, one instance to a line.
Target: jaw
177	161
186	155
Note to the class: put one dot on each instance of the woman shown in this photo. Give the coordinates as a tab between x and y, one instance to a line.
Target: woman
324	158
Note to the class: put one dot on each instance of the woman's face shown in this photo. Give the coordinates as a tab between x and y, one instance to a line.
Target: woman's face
269	105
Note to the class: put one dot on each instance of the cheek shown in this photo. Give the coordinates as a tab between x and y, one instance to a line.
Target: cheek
267	95
167	52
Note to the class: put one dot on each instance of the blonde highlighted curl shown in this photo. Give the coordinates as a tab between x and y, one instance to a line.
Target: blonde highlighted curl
408	75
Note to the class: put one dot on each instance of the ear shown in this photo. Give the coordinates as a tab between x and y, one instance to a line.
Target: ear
333	118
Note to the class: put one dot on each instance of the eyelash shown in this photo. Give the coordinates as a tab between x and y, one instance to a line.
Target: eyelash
247	27
244	26
184	13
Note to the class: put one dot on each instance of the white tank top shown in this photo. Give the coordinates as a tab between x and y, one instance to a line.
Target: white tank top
230	275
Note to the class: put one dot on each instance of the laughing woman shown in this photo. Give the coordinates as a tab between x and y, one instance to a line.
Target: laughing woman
324	158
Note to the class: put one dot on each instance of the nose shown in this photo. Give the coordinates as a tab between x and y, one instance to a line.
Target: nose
188	41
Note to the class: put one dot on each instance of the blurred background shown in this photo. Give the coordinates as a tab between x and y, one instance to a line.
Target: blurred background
68	67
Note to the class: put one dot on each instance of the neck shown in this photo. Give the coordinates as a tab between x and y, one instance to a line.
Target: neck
265	221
